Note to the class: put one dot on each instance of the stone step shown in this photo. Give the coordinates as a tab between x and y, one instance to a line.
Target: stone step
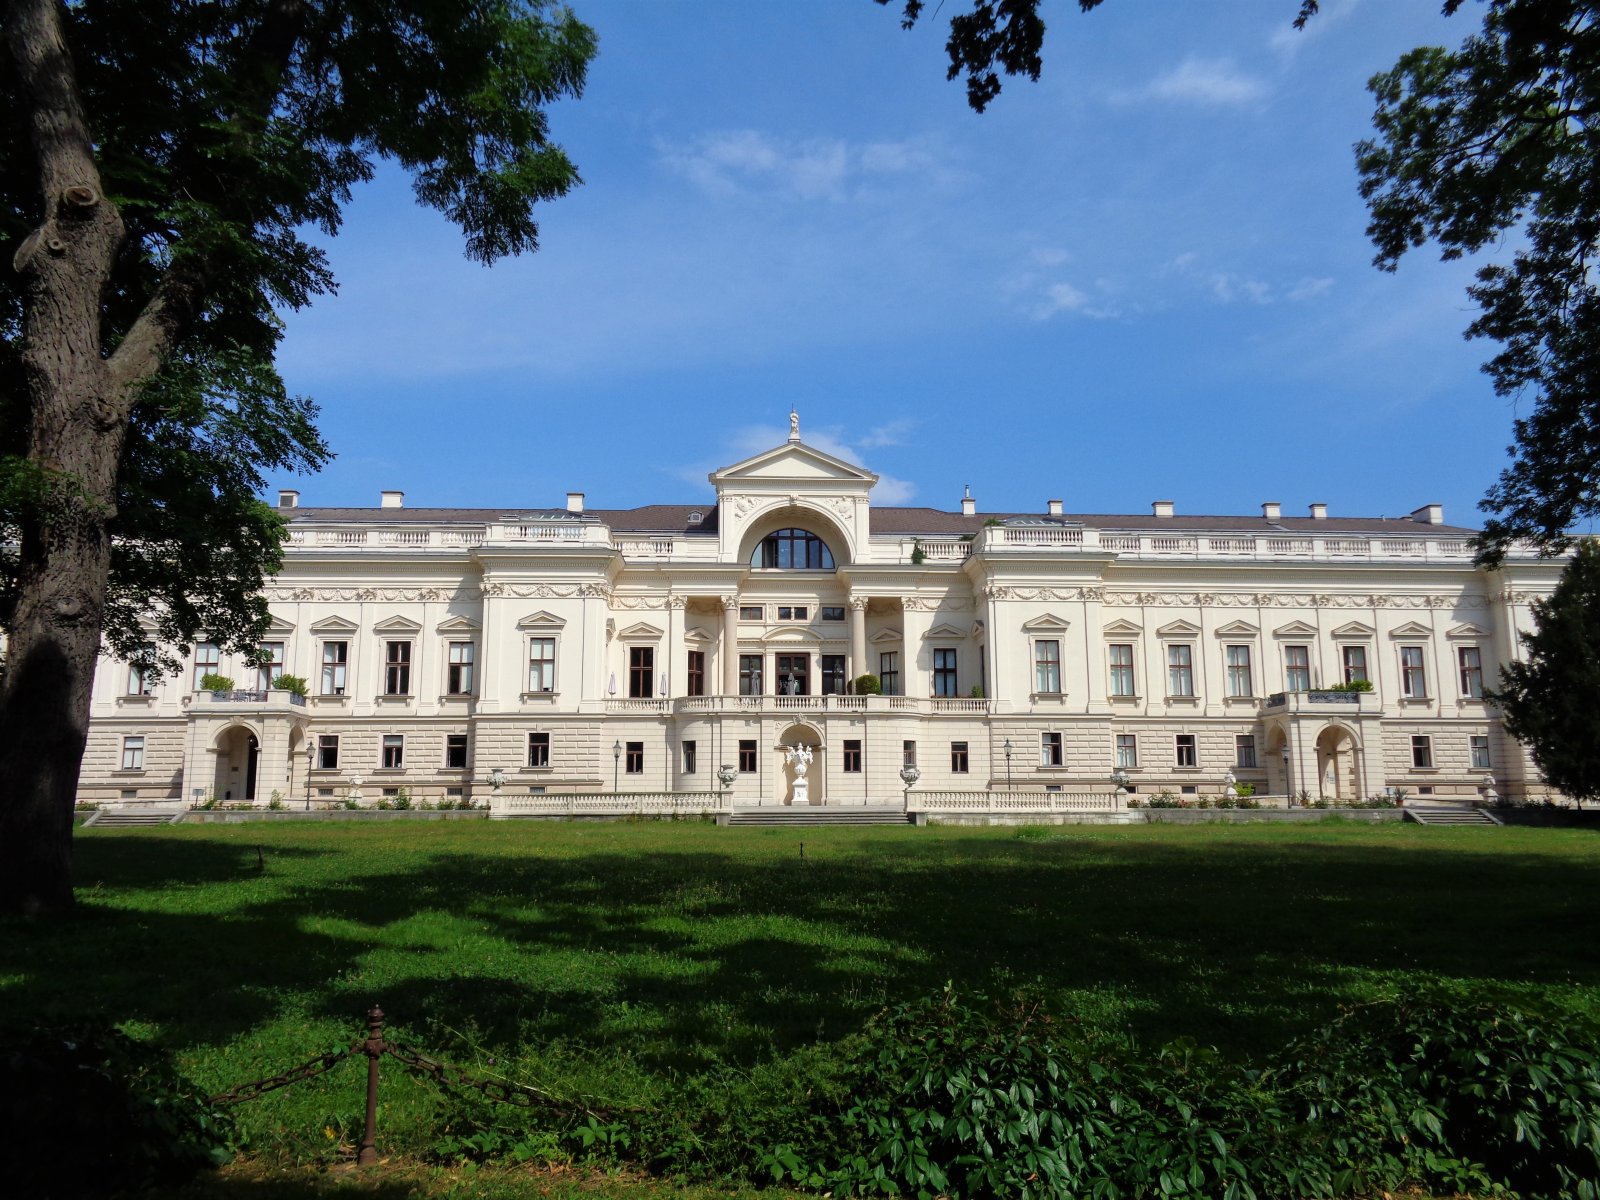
1464	814
130	819
818	815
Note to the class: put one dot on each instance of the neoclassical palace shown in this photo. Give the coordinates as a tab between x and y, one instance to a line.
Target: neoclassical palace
573	651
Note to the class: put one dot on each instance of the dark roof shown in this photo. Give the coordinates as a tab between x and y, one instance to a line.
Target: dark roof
933	522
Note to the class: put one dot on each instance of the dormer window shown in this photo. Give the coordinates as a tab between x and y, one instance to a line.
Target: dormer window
792	550
696	517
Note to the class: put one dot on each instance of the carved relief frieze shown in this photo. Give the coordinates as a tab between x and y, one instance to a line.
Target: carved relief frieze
547	591
349	594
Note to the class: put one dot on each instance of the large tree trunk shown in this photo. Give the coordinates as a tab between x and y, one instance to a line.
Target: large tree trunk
79	403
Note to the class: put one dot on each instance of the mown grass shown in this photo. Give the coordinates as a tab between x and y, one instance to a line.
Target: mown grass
610	960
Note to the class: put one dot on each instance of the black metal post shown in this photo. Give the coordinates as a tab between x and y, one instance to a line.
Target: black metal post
368	1154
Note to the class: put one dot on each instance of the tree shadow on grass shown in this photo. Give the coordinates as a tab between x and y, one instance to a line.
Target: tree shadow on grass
690	950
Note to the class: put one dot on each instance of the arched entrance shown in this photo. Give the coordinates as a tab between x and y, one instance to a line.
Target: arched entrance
238	752
1280	775
1338	777
810	737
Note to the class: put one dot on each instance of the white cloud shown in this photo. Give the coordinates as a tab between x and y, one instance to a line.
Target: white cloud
1047	256
891	433
1229	289
1205	81
747	160
1309	288
754	439
1287	41
1065	298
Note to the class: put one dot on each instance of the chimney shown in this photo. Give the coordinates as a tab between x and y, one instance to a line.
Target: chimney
969	506
1161	508
1319	512
1429	514
392	499
1053	507
1271	511
575	502
288	498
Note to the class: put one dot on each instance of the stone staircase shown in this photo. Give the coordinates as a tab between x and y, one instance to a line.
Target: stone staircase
1450	814
819	814
132	818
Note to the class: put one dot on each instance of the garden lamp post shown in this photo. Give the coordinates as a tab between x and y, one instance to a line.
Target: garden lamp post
1288	785
311	752
1007	748
616	763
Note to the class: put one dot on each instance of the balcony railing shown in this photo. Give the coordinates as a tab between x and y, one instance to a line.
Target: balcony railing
778	705
1322	700
242	696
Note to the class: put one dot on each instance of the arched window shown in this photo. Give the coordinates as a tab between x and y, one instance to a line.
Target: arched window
793	549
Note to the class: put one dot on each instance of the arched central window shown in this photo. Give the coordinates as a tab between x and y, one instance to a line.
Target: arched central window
793	549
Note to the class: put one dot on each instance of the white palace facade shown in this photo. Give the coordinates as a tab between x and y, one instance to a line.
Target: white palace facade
576	653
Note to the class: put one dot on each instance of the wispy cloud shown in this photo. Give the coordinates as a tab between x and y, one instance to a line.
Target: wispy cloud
1233	287
753	439
1202	81
1287	41
823	168
1064	297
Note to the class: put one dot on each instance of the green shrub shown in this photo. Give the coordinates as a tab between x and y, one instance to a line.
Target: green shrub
215	683
1355	685
293	684
869	685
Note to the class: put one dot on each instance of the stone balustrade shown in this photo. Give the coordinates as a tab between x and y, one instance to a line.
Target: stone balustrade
934	803
608	804
801	704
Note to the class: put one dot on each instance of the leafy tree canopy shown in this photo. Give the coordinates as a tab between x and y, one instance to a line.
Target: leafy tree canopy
1551	698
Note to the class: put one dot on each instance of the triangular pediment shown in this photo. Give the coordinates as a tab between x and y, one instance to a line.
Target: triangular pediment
1178	628
1354	629
397	625
886	635
1467	630
541	620
1237	629
698	637
278	627
1049	622
1121	628
1297	629
1411	629
792	633
457	624
944	630
641	631
334	625
792	461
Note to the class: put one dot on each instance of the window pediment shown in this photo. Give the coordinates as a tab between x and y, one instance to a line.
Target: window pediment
886	635
643	631
1354	629
541	620
1467	630
1411	629
698	637
1121	628
456	624
1237	629
1048	623
276	627
397	625
335	625
1179	628
792	634
1295	629
944	630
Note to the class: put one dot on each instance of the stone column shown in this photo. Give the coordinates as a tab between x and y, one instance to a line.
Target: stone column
730	645
676	666
858	638
916	661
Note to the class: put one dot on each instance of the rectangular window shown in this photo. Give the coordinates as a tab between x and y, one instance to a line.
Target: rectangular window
542	664
1127	750
1413	679
750	674
1244	750
267	674
958	758
335	661
1471	660
751	612
833	612
1480	752
455	751
1183	744
1297	668
328	752
458	674
833	677
539	750
688	758
1421	752
397	668
1050	754
889	672
697	674
852	756
207	661
1354	661
1047	667
747	755
139	680
641	671
633	758
794	612
908	753
944	671
1239	681
394	751
1120	656
133	754
1180	670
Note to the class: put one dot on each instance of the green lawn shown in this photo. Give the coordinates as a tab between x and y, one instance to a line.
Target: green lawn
605	959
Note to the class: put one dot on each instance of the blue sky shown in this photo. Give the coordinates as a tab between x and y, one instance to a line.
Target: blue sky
1143	277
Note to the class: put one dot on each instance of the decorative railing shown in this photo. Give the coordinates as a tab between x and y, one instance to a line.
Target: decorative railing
1012	802
1321	699
1040	535
245	696
608	804
956	550
639	705
1263	547
802	704
645	547
387	538
946	705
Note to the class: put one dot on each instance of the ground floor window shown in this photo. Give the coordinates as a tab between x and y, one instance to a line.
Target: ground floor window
958	758
747	755
852	755
539	750
1421	752
633	758
133	753
1185	752
1480	753
328	751
1127	750
1050	752
455	751
394	751
688	758
1244	750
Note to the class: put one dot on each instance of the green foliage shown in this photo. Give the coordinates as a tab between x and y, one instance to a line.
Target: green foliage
1550	697
918	554
977	691
211	682
1354	685
869	685
295	685
95	1113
